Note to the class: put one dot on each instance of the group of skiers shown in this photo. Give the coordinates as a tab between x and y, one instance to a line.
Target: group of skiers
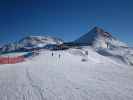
58	55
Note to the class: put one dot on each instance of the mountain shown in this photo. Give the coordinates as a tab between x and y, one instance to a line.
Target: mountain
31	42
39	41
98	38
107	45
101	41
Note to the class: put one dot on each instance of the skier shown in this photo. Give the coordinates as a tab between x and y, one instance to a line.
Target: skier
52	54
86	52
59	55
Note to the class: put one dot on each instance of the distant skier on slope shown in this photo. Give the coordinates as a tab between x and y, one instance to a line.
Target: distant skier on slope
59	55
52	54
86	52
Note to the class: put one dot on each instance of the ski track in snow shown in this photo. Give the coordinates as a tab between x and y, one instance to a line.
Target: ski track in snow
34	86
48	77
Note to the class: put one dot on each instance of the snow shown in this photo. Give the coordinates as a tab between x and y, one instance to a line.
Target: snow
98	38
123	55
39	40
30	42
47	77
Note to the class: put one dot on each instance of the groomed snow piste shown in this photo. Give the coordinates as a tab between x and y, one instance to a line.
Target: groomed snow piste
68	77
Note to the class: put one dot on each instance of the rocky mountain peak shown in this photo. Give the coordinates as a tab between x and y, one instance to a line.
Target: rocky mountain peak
99	38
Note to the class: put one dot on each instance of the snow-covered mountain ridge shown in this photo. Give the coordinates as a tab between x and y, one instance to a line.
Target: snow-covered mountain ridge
98	38
107	45
31	42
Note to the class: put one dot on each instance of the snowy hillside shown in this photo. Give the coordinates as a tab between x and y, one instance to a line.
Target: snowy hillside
125	55
107	45
47	77
31	42
39	40
99	38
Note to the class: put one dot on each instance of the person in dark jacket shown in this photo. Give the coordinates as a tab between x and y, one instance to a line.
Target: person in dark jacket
52	54
59	55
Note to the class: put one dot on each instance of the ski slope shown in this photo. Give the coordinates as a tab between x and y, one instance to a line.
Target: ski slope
47	77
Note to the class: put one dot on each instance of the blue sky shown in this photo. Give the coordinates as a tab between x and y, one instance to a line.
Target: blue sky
66	19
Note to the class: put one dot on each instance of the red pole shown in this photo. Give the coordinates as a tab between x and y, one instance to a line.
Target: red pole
8	59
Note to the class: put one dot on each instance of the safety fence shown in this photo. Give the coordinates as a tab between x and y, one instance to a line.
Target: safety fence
11	60
16	59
